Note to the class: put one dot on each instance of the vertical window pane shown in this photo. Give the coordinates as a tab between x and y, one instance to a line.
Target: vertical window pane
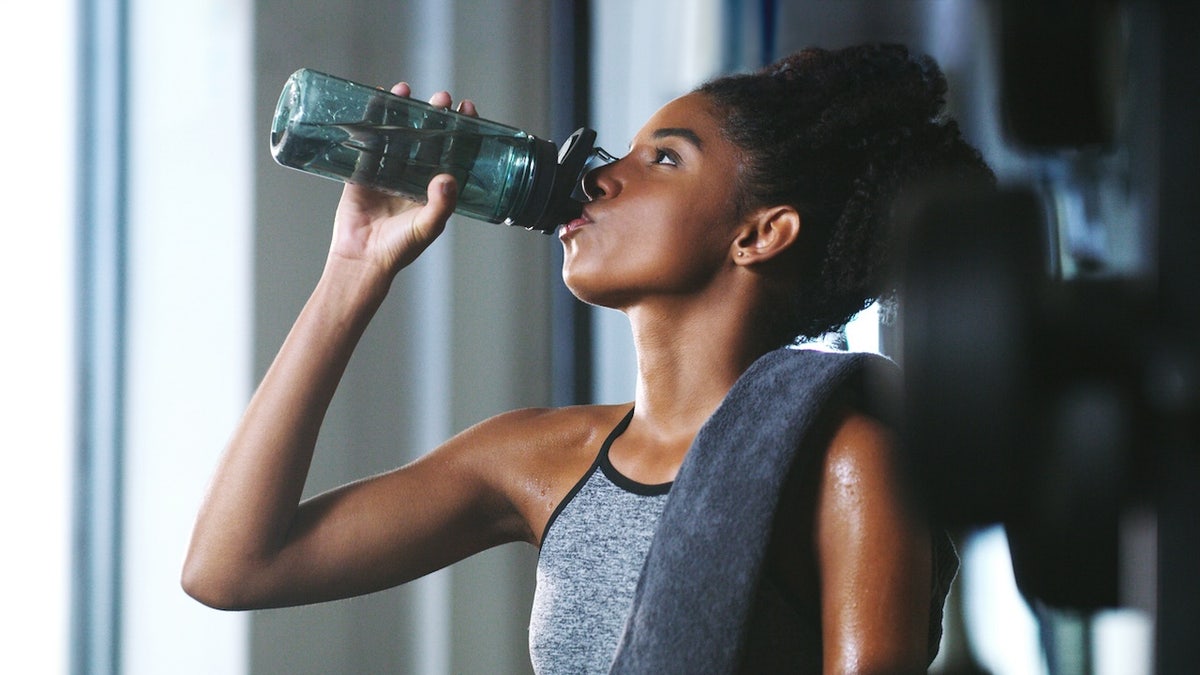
36	347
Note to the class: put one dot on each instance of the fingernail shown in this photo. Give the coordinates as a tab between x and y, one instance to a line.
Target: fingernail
448	187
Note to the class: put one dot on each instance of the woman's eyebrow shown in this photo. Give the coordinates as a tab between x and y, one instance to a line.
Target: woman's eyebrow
680	132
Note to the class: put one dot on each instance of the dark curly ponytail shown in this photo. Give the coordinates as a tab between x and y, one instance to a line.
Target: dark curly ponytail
836	134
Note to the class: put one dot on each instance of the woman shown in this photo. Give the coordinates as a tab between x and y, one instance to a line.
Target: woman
747	214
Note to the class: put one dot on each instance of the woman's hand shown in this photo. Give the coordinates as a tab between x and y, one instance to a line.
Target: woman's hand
387	233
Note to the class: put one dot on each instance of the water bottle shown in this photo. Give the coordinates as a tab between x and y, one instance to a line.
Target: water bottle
354	133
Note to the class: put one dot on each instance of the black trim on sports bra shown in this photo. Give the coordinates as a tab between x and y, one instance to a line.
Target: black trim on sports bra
625	482
615	476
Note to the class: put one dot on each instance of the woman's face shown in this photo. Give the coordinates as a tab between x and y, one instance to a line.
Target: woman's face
661	219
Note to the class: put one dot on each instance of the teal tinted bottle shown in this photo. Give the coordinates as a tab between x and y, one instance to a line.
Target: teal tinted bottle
354	133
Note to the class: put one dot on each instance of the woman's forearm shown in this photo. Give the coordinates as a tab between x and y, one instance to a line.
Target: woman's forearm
246	515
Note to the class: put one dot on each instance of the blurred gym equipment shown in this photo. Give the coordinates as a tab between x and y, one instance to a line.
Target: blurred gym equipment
1051	384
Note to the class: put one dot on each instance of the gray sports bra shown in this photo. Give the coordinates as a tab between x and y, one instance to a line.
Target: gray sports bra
592	554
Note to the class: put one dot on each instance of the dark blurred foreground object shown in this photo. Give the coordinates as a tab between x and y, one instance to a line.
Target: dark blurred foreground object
1023	397
1054	405
1058	69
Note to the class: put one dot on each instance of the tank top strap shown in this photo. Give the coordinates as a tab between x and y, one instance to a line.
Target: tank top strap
614	475
612	435
601	458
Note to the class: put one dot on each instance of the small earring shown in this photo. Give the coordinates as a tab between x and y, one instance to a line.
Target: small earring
741	253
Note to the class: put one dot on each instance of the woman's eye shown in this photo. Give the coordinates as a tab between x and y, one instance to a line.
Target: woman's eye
665	157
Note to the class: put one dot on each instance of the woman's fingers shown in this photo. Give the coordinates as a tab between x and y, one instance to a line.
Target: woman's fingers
442	99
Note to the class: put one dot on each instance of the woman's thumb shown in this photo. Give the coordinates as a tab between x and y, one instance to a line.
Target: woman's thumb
441	197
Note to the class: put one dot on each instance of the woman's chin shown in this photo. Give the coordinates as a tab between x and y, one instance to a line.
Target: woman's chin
584	289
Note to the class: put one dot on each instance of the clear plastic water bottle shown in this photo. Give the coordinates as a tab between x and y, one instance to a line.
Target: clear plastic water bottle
354	133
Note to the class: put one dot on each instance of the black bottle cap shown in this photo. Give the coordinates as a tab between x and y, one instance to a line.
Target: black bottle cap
551	201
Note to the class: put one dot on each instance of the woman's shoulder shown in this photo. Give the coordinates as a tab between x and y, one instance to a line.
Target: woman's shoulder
538	429
535	456
521	447
541	441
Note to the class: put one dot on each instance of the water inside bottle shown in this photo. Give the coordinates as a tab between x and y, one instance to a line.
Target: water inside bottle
400	159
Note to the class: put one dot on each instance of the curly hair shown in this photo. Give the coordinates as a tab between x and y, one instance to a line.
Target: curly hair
836	134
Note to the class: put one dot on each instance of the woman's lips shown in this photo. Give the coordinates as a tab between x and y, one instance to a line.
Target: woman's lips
569	227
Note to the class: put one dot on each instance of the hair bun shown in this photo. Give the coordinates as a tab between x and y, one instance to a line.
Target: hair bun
836	134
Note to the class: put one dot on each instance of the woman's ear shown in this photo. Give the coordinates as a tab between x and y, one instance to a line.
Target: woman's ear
765	234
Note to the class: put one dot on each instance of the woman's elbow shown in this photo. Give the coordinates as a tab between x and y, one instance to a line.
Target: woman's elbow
213	586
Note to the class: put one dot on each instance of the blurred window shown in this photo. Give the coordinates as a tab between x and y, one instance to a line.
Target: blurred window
37	404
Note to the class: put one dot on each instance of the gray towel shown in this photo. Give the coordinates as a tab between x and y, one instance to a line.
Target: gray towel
695	594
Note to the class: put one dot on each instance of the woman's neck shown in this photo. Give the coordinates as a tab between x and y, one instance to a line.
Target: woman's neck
688	360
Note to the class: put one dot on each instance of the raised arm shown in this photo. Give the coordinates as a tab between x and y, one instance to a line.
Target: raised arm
874	558
254	544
